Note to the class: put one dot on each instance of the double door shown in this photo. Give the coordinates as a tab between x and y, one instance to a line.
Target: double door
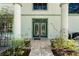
39	28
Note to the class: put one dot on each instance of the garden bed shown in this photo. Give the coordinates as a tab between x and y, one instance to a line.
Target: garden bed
64	53
17	52
64	47
19	48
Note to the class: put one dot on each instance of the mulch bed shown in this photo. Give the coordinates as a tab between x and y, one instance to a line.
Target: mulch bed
26	52
62	53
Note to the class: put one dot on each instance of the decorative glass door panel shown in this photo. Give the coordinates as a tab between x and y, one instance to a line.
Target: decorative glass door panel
36	29
39	27
43	29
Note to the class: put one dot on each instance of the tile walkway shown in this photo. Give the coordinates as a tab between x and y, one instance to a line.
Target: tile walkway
40	48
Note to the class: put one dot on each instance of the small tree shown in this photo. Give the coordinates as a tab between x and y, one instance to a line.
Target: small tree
6	20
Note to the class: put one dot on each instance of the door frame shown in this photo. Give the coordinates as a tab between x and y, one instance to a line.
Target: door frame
46	28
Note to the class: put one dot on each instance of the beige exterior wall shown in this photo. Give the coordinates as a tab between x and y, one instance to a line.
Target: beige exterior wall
53	15
53	8
27	25
54	23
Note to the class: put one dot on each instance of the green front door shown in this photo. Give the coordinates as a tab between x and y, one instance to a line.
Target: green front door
39	28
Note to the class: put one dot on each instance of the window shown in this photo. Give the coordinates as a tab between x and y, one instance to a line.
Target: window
74	8
39	6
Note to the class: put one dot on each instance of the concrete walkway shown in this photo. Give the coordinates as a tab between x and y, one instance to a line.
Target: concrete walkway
40	48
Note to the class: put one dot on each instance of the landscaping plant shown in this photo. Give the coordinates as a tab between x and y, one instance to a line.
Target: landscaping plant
63	46
18	48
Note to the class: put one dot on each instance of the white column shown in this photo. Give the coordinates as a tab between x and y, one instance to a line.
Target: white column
17	21
64	20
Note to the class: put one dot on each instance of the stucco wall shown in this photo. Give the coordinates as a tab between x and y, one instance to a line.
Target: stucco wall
54	19
74	23
27	25
53	15
53	8
54	23
28	13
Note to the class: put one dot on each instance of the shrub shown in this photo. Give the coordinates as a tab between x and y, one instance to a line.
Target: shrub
27	43
17	43
64	44
70	45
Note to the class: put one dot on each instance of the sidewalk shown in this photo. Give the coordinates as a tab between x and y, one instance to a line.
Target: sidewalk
40	48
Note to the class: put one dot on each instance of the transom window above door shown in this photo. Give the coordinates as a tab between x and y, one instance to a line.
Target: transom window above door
39	6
